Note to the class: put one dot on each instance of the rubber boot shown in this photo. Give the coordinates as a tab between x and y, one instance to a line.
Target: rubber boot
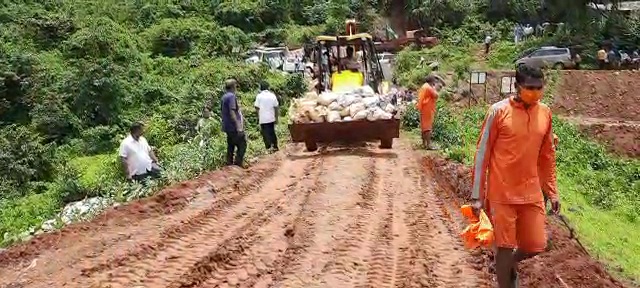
514	278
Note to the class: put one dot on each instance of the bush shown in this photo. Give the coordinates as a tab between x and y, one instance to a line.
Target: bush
25	157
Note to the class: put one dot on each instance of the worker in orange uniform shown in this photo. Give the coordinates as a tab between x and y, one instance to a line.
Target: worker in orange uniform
427	97
516	152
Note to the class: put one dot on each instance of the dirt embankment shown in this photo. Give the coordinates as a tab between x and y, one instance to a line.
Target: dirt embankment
605	105
354	217
566	265
599	94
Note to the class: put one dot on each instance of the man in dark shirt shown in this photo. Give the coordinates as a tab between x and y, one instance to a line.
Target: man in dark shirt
232	124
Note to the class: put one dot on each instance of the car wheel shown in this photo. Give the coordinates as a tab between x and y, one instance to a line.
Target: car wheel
558	66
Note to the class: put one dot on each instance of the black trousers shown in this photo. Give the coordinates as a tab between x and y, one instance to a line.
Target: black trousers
151	174
235	141
268	131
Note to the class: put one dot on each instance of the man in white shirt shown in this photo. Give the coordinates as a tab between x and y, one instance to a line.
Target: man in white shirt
487	44
138	160
267	107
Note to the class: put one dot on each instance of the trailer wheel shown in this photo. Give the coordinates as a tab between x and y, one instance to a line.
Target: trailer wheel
386	143
311	146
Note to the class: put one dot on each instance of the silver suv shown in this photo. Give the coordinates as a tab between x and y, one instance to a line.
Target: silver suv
546	57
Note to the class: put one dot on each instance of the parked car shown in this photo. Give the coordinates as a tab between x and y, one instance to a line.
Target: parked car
386	57
548	57
291	67
274	57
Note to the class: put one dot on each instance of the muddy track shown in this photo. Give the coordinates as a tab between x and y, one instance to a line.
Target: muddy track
341	217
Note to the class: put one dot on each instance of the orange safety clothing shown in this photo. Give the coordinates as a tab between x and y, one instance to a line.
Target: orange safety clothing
479	232
519	226
516	147
427	97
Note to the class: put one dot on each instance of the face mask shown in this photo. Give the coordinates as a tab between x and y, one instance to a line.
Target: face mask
530	96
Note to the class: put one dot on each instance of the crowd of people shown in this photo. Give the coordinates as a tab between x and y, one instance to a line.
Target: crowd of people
610	58
140	163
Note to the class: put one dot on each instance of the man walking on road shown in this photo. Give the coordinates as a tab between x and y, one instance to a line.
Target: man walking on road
233	124
267	107
138	160
516	152
427	97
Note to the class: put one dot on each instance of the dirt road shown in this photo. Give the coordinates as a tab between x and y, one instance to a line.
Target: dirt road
350	217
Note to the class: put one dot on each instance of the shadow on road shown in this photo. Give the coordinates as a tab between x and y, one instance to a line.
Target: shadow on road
358	151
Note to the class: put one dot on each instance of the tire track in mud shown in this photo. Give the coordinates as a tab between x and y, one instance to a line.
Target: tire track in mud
281	239
184	250
230	195
441	259
380	264
345	260
331	213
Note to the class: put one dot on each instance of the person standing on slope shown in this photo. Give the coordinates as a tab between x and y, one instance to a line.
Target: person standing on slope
267	107
516	152
487	44
233	124
427	97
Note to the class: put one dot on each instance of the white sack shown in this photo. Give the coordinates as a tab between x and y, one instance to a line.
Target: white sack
361	115
326	98
355	109
389	108
334	106
333	116
370	101
345	112
367	91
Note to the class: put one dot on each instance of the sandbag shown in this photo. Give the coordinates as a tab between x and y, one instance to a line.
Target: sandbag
389	108
334	106
333	116
326	98
347	99
317	115
361	115
311	95
371	116
347	118
377	113
367	91
371	101
345	112
356	108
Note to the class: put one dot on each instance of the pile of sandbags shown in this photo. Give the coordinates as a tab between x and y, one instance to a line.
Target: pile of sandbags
360	104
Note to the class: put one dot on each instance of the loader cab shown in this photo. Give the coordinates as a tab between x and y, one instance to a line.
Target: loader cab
329	54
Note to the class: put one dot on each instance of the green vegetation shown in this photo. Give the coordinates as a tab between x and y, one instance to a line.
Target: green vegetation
75	74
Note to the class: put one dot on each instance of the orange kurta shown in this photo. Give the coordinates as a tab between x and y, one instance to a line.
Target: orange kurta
427	97
516	149
516	157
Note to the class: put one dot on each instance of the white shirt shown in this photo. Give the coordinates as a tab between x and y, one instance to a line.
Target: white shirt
487	40
267	102
136	154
